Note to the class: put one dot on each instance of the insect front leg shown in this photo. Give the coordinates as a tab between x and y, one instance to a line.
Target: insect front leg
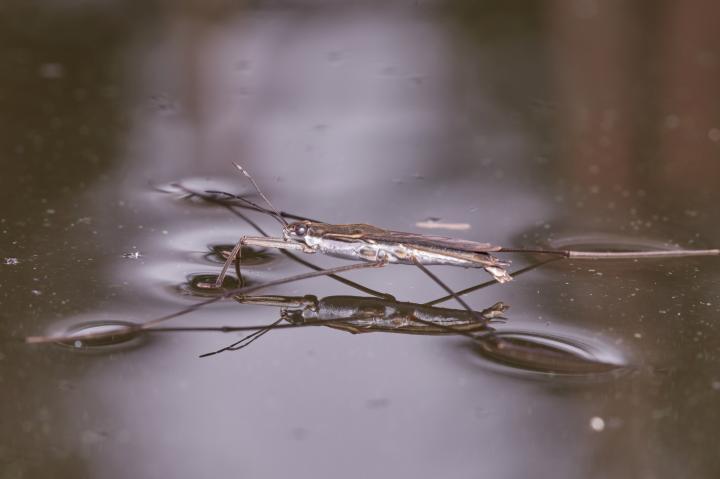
260	241
230	259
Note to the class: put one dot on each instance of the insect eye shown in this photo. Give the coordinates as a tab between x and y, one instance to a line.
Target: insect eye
300	230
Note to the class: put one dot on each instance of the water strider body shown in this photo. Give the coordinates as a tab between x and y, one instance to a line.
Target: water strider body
362	242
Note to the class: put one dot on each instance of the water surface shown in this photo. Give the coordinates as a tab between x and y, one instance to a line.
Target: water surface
561	123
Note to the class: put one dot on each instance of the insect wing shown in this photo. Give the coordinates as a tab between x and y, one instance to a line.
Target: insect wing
436	242
369	233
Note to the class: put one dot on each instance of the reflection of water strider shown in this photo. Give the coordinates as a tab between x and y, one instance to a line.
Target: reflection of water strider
358	314
519	349
361	314
355	314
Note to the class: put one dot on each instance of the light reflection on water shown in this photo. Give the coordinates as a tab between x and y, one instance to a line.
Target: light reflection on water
359	115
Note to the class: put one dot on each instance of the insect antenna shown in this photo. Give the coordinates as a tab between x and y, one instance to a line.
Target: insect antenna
246	203
276	213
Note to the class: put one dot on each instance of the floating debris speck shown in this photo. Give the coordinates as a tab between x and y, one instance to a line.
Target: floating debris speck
11	261
597	424
132	255
435	223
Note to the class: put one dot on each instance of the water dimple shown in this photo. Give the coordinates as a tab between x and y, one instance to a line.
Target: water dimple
553	354
164	105
200	285
101	335
248	256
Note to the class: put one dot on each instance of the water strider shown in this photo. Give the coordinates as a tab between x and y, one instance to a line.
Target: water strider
363	242
375	247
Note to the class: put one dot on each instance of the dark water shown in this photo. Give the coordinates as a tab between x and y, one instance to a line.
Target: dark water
588	124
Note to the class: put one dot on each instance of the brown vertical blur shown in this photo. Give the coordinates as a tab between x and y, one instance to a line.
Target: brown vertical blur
637	84
594	46
688	48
